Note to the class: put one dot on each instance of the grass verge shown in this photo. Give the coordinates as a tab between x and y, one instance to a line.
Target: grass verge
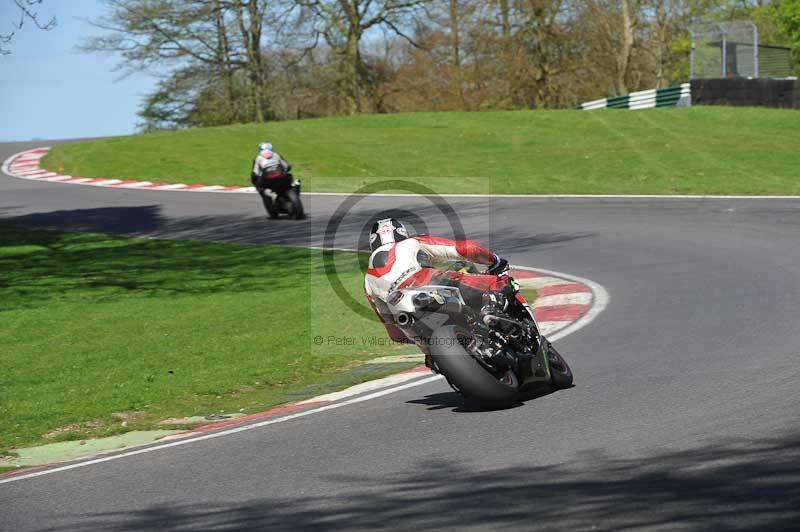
102	335
700	150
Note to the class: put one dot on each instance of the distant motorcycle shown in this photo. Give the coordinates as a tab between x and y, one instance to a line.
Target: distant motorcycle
491	362
280	192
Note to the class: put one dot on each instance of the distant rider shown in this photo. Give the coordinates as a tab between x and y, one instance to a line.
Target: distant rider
400	261
266	161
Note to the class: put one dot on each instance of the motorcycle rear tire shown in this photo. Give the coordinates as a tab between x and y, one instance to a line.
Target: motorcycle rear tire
465	373
296	212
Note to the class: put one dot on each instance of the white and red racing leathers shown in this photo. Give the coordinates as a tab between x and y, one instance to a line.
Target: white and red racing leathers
267	161
401	265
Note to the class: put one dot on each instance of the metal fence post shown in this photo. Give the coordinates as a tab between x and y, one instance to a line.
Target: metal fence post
724	55
755	51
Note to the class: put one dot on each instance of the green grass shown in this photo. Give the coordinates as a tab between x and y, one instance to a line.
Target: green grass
94	325
700	150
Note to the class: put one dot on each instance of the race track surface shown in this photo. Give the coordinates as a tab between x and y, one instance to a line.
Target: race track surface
685	413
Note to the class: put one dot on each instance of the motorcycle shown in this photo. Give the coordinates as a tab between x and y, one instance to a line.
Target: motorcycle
280	192
492	361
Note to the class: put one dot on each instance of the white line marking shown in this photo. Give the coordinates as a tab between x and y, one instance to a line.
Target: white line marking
556	196
541	282
221	433
138	184
703	197
170	187
376	384
210	188
32	173
179	436
580	298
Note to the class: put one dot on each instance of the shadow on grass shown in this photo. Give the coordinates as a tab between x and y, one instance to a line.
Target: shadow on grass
40	265
729	485
149	220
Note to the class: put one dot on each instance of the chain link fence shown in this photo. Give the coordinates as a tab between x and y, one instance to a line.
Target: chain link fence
731	50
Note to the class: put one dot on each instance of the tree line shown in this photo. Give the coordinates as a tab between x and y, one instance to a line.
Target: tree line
232	61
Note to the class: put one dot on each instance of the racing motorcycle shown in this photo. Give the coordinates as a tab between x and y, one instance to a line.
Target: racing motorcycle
281	192
491	361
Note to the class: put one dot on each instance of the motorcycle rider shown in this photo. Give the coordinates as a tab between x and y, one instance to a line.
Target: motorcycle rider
401	261
267	160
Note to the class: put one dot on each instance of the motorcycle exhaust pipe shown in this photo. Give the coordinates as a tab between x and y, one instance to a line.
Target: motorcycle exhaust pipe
404	319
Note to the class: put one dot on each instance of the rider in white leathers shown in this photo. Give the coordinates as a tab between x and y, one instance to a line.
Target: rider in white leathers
401	261
266	162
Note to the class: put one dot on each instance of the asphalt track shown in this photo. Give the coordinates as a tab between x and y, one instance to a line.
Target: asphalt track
685	413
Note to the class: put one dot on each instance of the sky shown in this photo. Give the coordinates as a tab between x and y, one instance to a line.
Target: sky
49	90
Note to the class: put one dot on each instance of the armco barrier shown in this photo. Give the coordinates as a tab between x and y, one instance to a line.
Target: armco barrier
679	95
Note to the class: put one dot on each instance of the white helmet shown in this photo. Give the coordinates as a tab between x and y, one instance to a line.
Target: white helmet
265	146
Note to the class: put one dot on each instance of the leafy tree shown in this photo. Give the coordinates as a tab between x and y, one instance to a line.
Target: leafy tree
786	14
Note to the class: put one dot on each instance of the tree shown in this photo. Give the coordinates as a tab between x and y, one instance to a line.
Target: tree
614	30
786	14
541	50
206	42
342	24
504	54
665	38
25	12
228	61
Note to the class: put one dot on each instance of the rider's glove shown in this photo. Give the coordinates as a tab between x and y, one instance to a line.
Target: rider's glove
499	266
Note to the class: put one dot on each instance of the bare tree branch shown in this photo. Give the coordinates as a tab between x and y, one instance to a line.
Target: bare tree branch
26	12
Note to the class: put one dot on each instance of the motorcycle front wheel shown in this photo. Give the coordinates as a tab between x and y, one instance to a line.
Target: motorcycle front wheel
270	206
560	372
465	373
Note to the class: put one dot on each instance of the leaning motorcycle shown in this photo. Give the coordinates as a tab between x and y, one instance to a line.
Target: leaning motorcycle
280	192
491	361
